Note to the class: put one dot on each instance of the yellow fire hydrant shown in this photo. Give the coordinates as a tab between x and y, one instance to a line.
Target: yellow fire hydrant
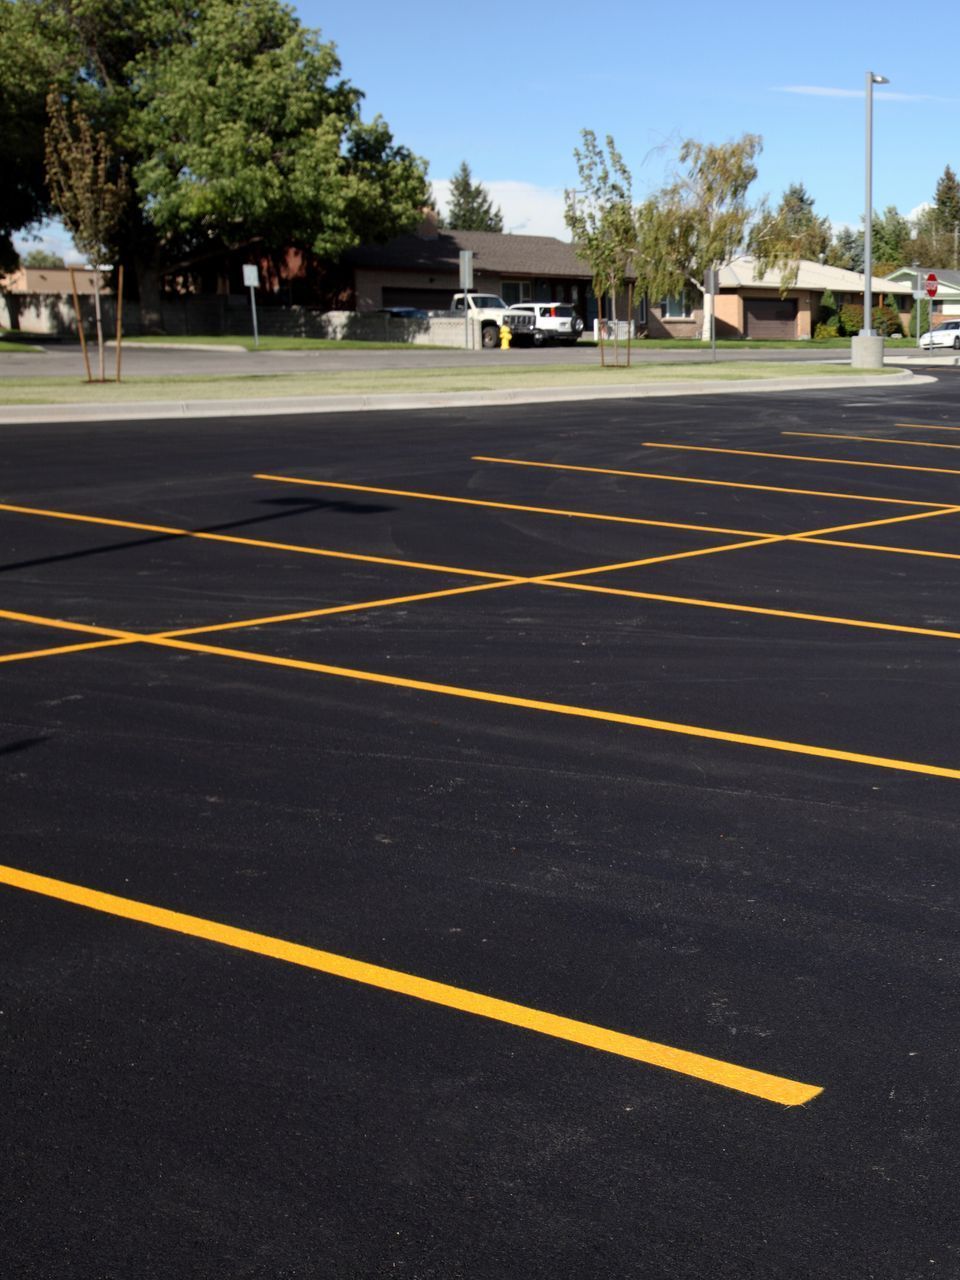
506	333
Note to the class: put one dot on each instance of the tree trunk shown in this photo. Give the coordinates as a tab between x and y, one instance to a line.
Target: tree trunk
707	315
99	319
148	287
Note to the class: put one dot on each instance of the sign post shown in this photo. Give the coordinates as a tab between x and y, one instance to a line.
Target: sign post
931	285
251	278
711	282
466	284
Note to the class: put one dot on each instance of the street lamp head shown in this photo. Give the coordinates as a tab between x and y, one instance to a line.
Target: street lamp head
875	79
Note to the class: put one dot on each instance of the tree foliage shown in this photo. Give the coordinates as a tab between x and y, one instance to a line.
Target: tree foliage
600	214
231	118
43	260
88	185
470	207
782	237
698	222
946	201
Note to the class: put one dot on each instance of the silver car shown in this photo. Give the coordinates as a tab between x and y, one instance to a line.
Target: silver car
945	335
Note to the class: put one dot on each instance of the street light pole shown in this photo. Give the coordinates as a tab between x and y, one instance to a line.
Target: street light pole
867	330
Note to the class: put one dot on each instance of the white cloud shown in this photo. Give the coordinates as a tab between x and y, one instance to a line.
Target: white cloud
891	95
528	210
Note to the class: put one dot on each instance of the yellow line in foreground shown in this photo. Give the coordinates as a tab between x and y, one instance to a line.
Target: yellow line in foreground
925	426
202	536
801	457
723	484
835	435
789	1093
60	649
512	506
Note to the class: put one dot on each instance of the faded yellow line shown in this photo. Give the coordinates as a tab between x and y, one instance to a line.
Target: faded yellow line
723	484
510	506
60	649
726	606
250	542
799	457
510	700
925	426
789	1093
835	435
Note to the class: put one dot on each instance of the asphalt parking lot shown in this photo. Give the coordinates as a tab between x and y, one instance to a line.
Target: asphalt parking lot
491	843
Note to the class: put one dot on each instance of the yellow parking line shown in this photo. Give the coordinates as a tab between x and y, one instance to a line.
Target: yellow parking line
726	606
759	1084
510	700
723	484
799	457
925	426
873	524
60	649
510	506
249	542
873	546
835	435
343	608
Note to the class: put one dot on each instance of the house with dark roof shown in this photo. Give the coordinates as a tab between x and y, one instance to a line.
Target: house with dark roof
423	270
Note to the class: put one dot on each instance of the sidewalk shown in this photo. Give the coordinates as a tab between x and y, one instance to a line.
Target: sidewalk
251	406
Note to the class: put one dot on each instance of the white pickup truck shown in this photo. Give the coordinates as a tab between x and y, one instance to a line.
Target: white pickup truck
491	312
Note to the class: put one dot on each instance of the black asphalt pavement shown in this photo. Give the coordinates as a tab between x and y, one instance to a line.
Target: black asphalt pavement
602	738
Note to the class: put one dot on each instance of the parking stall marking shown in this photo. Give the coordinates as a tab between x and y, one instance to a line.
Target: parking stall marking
799	457
836	435
759	1084
29	654
510	700
722	484
296	548
509	506
925	426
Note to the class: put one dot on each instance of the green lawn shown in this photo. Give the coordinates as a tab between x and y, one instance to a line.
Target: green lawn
277	344
11	341
392	381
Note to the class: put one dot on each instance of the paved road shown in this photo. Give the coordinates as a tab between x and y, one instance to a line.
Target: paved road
65	361
703	803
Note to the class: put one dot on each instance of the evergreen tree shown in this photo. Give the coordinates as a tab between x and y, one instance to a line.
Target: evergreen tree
790	233
471	208
946	201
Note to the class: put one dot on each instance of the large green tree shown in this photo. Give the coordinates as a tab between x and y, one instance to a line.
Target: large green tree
470	207
784	236
946	201
234	124
699	221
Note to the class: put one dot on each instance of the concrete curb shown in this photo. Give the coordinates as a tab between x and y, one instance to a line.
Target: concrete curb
145	410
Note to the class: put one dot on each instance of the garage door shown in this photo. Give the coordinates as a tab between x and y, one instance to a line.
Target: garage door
770	317
428	299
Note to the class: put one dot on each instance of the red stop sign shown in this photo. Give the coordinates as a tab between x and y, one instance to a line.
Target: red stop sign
932	285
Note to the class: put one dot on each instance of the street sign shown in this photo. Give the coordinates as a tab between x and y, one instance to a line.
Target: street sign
932	285
251	276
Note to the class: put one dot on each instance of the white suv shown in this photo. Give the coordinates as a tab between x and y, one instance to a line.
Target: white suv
552	321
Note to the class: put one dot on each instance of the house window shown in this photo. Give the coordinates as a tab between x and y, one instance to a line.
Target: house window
515	291
676	307
640	310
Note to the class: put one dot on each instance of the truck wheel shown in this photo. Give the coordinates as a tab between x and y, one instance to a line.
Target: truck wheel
488	336
538	337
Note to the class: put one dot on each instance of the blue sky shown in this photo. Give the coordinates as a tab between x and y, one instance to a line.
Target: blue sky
508	88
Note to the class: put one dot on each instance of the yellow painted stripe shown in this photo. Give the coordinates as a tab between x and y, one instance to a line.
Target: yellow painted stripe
60	649
508	700
897	551
726	606
789	1093
925	426
723	484
344	608
509	506
673	555
296	548
873	524
835	435
800	457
